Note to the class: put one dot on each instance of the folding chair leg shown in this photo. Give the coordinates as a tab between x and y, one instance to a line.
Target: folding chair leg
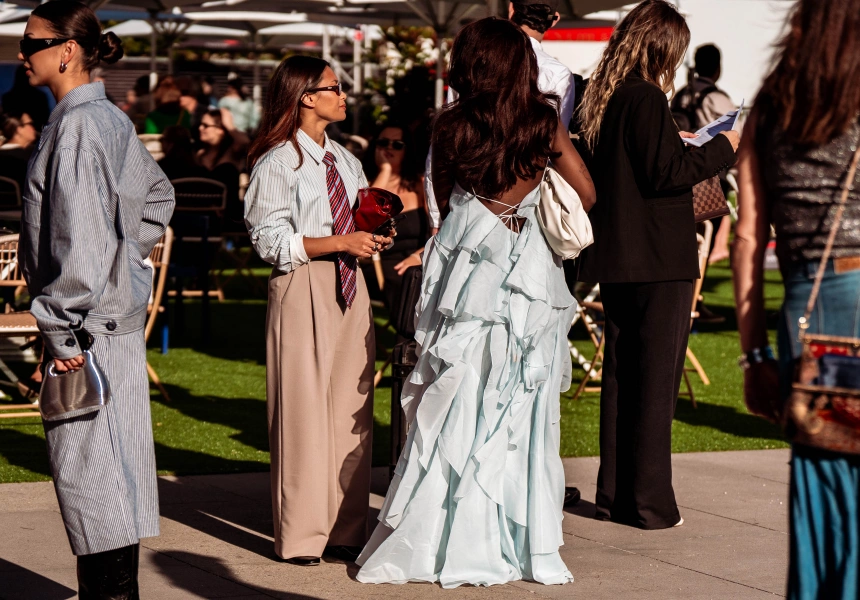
698	366
690	389
590	372
154	376
378	377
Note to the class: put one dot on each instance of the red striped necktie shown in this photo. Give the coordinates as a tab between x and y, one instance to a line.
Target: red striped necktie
342	224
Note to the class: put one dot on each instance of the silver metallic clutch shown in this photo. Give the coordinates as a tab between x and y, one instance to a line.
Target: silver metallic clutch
74	393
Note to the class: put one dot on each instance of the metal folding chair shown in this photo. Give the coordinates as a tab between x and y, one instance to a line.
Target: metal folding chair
588	311
160	259
704	243
14	324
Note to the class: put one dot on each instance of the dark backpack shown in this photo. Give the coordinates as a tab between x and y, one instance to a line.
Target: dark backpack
685	105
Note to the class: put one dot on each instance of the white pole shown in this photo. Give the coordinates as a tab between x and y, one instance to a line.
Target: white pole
356	77
365	29
258	89
326	49
440	67
153	64
356	61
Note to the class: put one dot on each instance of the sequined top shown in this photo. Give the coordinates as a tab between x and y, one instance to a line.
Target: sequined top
803	187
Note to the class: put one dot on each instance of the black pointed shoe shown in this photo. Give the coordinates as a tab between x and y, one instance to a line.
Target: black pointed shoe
303	561
345	553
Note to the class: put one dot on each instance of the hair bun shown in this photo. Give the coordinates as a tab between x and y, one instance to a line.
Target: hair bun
110	48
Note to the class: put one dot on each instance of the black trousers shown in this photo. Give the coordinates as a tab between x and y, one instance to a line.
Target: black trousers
647	328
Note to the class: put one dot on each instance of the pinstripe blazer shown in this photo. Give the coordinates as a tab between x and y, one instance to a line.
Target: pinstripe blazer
95	204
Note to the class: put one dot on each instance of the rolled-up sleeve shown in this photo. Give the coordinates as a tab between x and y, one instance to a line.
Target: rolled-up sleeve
160	202
269	205
83	244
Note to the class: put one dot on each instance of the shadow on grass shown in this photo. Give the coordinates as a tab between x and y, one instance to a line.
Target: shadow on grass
24	449
248	415
727	419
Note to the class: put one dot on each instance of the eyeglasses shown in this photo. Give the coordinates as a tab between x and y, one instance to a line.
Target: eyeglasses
395	144
331	88
29	46
28	124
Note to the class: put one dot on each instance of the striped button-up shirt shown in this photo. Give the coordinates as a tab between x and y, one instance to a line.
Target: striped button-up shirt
95	205
286	198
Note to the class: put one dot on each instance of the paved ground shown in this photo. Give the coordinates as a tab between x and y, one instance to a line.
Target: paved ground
216	542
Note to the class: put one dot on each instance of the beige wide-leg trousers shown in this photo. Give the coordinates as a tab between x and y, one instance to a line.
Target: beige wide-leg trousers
319	380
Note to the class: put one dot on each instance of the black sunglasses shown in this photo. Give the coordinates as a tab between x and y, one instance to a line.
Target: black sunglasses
395	144
29	46
331	88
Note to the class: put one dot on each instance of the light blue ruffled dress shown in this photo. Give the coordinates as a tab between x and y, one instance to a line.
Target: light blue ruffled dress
477	493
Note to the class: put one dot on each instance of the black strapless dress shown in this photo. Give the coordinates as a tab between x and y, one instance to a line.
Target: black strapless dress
413	231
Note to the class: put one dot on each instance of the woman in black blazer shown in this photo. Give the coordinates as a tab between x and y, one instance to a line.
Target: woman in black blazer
644	257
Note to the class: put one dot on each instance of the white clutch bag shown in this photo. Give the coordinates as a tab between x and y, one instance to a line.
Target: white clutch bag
560	214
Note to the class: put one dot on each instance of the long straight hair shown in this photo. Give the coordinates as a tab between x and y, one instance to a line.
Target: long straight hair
501	127
812	94
650	41
283	109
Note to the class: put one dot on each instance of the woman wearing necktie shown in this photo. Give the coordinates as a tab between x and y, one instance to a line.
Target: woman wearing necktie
319	327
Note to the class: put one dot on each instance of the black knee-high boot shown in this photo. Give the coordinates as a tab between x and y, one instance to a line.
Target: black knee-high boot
110	575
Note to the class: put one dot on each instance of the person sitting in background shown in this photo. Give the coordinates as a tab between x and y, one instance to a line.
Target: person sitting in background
207	87
137	102
392	164
19	133
179	157
193	102
169	111
245	114
25	98
222	154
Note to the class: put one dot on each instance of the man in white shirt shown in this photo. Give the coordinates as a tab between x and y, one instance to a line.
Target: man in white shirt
535	18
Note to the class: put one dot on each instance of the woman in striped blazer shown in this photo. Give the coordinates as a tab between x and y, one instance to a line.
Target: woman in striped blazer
319	331
95	204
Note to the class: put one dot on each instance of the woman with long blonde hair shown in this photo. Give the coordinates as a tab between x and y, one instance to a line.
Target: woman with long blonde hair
644	257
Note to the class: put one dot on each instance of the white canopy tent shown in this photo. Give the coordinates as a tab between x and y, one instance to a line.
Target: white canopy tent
12	12
15	30
141	28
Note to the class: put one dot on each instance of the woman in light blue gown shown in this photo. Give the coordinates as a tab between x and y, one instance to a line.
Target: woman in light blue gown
477	494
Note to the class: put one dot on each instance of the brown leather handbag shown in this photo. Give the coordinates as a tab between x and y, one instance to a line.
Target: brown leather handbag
709	201
823	410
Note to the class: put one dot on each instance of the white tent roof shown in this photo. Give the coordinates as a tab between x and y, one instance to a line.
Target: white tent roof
13	29
10	12
140	28
315	30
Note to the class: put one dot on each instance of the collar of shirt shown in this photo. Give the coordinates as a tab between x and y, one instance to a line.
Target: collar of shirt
536	44
313	149
81	94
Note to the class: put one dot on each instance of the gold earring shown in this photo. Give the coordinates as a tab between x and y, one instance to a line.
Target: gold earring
63	67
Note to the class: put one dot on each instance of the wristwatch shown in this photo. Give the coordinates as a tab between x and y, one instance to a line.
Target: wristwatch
755	356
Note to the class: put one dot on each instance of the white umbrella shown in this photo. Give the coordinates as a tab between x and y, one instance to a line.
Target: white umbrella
141	28
10	12
13	29
252	22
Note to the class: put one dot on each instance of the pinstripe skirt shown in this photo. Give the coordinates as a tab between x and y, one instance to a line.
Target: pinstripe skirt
103	462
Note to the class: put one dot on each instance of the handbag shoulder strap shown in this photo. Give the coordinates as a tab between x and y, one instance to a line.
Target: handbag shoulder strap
847	186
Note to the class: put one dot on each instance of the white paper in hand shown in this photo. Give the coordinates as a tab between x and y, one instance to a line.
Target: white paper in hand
727	122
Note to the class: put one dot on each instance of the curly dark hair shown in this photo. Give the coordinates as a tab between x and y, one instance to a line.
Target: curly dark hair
539	17
501	127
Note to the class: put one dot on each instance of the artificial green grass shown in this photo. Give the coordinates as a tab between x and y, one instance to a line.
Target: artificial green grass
216	419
